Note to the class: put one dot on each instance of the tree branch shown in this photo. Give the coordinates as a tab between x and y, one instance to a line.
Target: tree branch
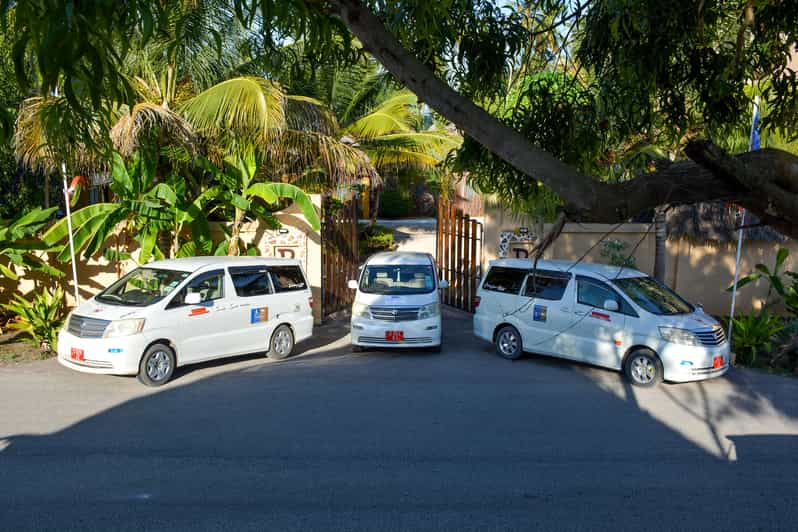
755	180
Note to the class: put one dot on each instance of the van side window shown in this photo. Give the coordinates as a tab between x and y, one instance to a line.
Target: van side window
287	278
593	293
505	280
251	281
210	285
544	284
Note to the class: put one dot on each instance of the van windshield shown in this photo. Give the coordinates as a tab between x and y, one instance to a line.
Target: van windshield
142	287
653	296
398	279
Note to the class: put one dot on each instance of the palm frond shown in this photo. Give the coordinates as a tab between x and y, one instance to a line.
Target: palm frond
340	163
398	114
245	107
306	113
149	120
425	149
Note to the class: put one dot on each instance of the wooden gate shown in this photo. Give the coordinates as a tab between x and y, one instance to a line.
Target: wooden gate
339	253
458	250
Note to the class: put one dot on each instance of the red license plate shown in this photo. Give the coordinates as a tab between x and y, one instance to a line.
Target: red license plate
717	362
395	336
76	354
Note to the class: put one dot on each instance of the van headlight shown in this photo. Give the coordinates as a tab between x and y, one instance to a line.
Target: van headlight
359	310
429	311
119	328
678	336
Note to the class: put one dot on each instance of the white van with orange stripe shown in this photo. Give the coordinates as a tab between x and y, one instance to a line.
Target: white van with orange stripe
609	316
171	313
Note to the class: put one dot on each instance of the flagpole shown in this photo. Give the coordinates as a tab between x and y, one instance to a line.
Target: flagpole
71	239
751	146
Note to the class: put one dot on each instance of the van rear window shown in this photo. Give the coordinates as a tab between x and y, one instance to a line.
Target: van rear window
546	285
287	278
251	281
504	280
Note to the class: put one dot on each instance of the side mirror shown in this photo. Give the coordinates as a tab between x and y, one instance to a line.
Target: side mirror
194	298
611	305
352	284
443	284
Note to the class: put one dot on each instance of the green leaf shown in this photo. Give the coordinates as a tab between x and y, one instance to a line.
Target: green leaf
147	239
781	256
8	273
745	280
59	231
239	202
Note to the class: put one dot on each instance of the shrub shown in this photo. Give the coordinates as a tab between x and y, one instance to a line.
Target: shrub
40	318
394	204
753	334
375	238
613	251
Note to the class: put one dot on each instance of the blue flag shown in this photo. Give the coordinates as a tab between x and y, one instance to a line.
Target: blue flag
753	143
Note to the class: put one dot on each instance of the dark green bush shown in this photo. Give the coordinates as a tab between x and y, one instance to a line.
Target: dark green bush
395	204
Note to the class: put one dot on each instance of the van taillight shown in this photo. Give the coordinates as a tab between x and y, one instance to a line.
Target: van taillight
310	301
477	299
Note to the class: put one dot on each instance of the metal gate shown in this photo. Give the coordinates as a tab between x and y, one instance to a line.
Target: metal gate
458	250
339	253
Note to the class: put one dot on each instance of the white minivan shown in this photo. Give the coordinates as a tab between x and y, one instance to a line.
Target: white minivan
609	316
397	302
175	312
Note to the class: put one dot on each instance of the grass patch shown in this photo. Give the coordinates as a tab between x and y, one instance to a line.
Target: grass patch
15	348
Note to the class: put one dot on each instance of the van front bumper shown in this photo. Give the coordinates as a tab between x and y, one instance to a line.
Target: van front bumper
682	363
416	333
112	356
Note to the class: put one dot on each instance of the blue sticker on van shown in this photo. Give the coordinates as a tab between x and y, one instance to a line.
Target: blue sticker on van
258	315
539	313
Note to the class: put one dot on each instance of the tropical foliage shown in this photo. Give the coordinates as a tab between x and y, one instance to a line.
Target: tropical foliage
40	317
18	244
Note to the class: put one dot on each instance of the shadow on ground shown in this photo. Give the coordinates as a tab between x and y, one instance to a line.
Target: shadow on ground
331	440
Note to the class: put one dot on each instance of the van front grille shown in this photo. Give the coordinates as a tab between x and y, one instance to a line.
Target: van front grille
394	313
86	327
714	336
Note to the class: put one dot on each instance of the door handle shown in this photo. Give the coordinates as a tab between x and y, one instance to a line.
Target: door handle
580	312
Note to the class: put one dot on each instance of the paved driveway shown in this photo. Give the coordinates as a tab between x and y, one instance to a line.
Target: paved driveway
331	440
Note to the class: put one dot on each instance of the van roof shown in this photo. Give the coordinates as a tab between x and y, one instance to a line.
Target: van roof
400	257
192	264
581	268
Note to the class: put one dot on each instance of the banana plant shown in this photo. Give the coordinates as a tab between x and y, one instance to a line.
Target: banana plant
142	209
775	282
240	190
18	243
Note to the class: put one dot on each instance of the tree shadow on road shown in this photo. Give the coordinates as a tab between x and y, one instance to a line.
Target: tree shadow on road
461	441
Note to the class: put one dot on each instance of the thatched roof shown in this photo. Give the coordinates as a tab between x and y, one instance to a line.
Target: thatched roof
715	221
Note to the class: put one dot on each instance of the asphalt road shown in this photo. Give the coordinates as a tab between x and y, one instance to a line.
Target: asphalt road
331	440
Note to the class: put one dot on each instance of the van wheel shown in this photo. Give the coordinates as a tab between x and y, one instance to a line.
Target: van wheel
157	365
435	348
358	348
643	368
508	343
282	343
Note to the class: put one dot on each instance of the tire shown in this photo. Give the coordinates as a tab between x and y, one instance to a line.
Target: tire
358	348
281	344
435	348
157	365
643	368
508	343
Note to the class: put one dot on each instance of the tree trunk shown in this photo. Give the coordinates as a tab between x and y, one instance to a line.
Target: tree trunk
765	182
660	237
235	234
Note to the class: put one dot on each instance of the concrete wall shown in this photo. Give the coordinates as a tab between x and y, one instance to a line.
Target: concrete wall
296	239
700	271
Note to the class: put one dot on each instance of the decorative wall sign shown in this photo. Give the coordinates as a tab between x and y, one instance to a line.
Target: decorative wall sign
523	243
287	243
